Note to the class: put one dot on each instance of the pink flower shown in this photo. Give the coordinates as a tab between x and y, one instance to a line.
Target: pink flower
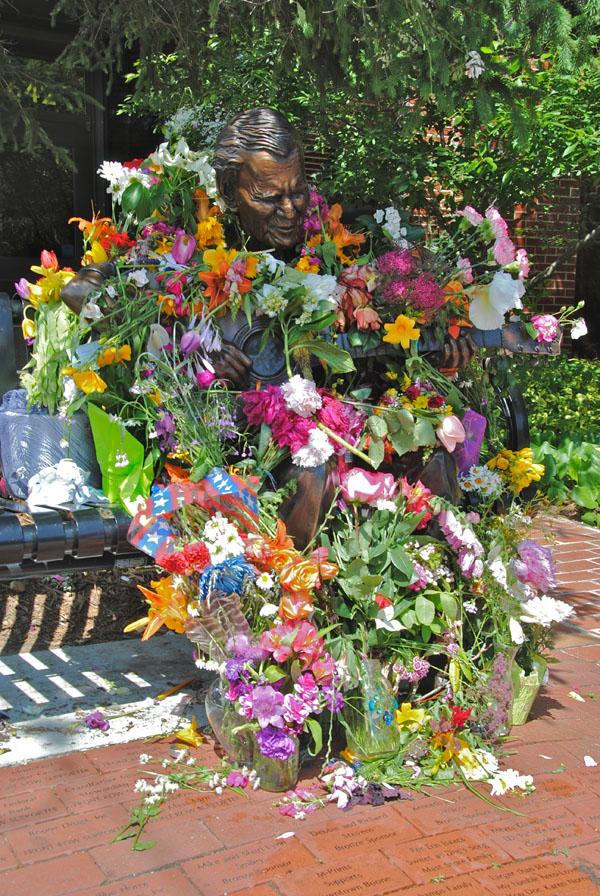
290	430
204	378
278	641
426	293
523	262
342	419
546	327
295	710
267	706
263	405
324	669
189	343
367	488
399	263
450	432
236	779
183	248
497	222
472	216
466	271
504	251
535	565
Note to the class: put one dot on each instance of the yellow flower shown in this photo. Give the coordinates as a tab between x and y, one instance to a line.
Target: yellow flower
155	396
407	717
347	756
451	744
49	287
86	380
210	233
114	356
391	375
517	468
164	246
304	265
28	328
190	734
421	402
402	331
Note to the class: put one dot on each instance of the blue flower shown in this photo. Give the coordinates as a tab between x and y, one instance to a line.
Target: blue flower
228	577
388	717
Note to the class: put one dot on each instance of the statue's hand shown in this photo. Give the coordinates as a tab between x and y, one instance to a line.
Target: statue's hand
87	279
457	353
233	365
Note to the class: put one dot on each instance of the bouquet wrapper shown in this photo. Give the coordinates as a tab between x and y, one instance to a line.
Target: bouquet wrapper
467	453
126	474
525	689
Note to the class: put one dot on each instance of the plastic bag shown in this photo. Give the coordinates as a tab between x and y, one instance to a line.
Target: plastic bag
31	440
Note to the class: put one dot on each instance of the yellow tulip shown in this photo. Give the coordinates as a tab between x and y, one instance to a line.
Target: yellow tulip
28	328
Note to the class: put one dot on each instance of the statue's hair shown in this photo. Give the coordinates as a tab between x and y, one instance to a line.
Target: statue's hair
254	130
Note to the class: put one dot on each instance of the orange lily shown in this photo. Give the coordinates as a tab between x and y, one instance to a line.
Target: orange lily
340	235
168	606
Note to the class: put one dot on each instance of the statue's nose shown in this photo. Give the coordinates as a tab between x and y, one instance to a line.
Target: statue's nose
286	207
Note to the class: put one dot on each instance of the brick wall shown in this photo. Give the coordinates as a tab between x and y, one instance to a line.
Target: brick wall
544	229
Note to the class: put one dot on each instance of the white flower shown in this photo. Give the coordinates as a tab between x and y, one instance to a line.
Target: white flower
271	264
589	761
379	216
139	277
474	65
477	765
268	610
119	178
316	451
264	581
90	311
301	396
158	338
545	610
271	300
324	287
141	785
144	758
491	301
153	798
222	539
385	619
383	504
510	779
516	631
578	328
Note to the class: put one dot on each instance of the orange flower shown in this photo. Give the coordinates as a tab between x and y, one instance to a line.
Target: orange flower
94	230
113	355
340	235
168	606
209	232
217	285
299	575
203	207
298	605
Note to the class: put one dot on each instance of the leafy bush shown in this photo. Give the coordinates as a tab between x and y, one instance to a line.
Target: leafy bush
563	399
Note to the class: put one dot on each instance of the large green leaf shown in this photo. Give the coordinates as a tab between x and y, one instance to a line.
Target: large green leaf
335	357
425	610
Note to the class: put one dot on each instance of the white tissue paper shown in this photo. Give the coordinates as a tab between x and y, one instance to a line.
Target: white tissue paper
64	484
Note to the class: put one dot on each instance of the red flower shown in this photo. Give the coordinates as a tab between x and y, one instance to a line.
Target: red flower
49	260
382	601
173	562
197	555
133	163
459	716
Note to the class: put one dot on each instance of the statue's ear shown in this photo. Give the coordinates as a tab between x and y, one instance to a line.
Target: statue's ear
226	185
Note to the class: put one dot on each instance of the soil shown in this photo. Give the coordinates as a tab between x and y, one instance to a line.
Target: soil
82	608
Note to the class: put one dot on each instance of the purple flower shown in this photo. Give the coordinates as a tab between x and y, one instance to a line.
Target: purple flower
275	743
189	343
96	720
165	429
183	248
22	288
234	668
204	378
267	706
334	699
535	566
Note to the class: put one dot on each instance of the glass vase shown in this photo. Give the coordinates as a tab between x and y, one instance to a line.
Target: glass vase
224	720
277	775
371	730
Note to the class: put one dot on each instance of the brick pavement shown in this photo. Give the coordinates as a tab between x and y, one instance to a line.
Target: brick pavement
57	816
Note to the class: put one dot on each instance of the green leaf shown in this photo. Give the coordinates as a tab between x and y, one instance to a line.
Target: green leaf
376	451
317	735
409	619
140	846
377	426
425	610
402	442
585	497
338	359
401	561
449	605
274	673
132	197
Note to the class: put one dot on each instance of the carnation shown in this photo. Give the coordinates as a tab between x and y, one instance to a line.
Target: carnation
535	565
546	327
545	611
262	405
275	743
301	396
317	450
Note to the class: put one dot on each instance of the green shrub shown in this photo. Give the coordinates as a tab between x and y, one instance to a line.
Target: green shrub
563	400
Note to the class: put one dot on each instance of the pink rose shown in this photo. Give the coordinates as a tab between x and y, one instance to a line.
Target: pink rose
450	432
367	488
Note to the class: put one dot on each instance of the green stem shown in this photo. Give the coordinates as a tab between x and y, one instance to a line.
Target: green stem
340	441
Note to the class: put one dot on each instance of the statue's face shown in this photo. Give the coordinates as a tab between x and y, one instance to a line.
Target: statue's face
271	199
